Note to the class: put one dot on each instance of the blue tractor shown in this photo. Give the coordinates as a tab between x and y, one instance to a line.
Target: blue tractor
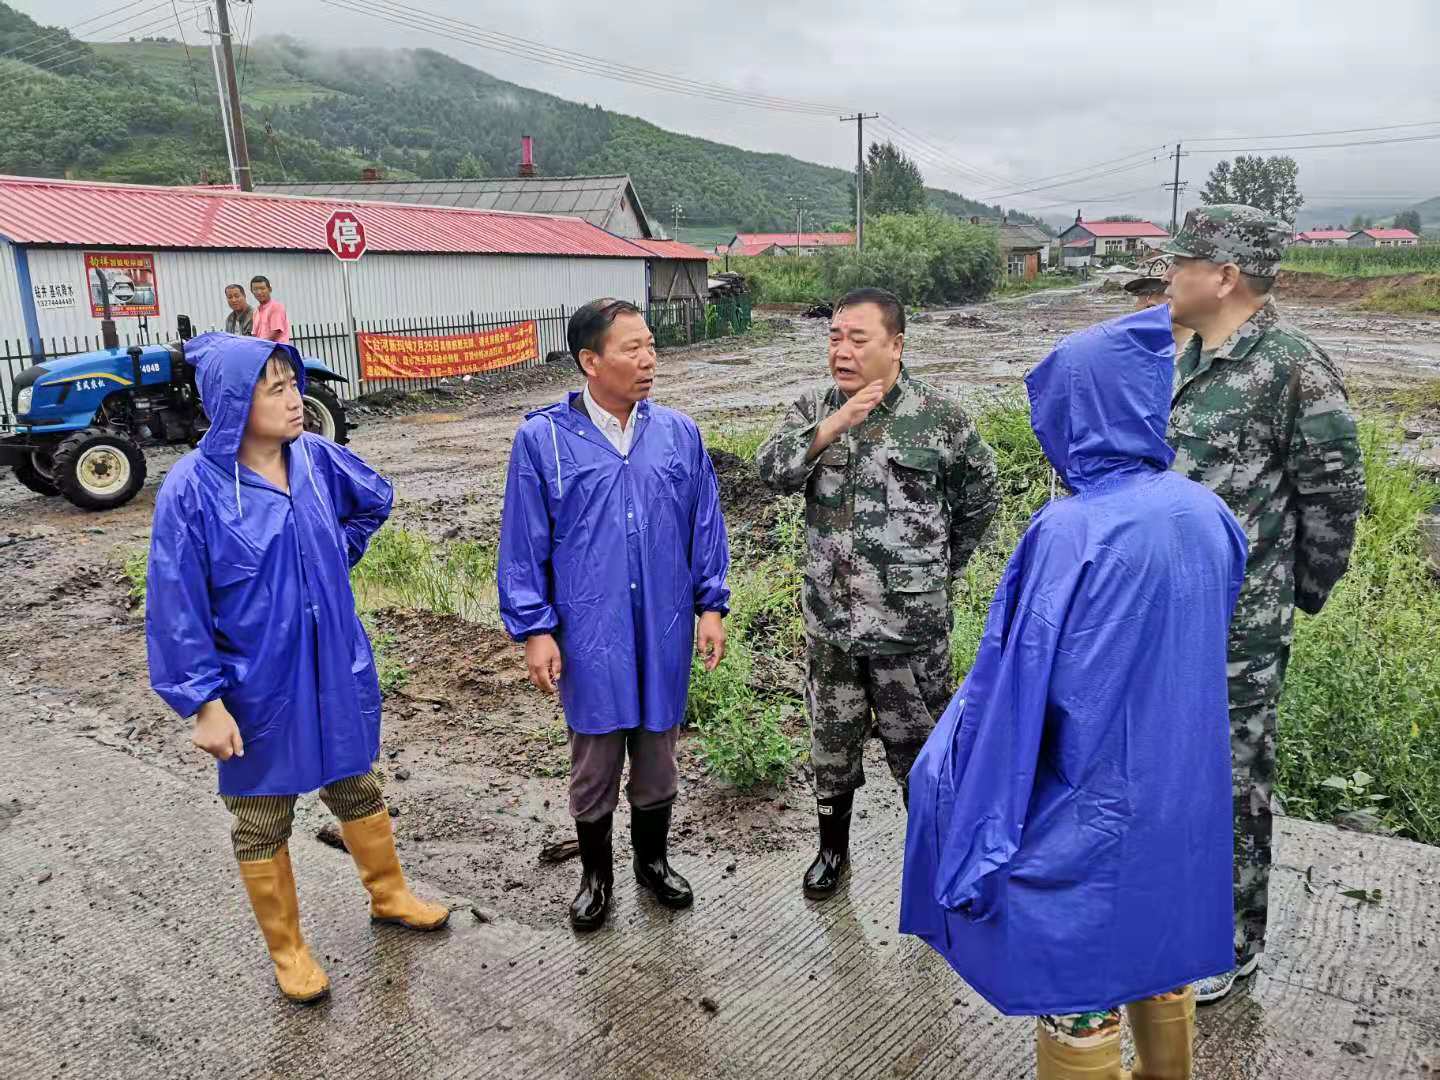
83	422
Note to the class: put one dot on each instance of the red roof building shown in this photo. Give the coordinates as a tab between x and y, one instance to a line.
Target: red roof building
421	263
1384	238
1323	236
761	243
83	213
1086	239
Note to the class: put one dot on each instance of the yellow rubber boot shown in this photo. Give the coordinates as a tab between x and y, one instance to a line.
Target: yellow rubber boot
1164	1032
271	886
372	846
1056	1060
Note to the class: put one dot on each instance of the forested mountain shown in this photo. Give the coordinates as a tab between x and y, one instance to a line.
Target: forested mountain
146	112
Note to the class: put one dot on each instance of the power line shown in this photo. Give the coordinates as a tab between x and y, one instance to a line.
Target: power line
49	35
413	17
15	78
1321	146
245	43
1308	134
59	47
189	65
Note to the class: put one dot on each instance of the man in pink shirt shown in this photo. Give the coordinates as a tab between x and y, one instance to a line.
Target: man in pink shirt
271	322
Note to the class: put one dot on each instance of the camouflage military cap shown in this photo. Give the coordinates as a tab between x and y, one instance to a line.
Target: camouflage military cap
1251	239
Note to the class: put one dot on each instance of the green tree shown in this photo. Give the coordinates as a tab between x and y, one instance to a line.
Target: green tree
1409	219
893	184
470	167
1272	184
1360	221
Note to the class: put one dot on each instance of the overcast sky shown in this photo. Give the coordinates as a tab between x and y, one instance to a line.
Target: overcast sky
1018	91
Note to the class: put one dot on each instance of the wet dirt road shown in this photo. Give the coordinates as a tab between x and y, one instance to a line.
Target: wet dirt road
99	788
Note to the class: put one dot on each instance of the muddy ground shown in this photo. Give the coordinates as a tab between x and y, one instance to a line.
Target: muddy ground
475	759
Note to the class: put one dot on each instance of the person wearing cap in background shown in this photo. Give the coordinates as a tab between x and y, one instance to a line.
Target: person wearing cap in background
1260	417
1149	291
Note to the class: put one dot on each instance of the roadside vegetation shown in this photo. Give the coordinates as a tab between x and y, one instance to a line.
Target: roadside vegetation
1350	262
1420	297
924	258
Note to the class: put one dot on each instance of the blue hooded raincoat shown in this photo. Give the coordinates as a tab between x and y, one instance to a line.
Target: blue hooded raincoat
615	556
248	597
1070	842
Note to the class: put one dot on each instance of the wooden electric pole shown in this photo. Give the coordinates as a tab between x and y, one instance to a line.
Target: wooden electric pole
232	86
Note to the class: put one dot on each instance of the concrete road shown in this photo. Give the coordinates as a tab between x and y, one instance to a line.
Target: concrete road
127	950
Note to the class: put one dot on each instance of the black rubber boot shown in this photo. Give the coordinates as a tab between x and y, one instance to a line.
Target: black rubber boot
650	834
828	869
597	874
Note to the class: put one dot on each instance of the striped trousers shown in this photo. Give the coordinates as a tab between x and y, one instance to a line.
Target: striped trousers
262	822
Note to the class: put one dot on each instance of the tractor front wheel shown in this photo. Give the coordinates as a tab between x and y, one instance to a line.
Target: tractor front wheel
38	474
99	468
325	416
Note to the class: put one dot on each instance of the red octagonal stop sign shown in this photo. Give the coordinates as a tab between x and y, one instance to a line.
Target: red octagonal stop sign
345	236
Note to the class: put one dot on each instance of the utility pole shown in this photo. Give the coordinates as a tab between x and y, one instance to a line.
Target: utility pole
798	202
677	210
1176	188
237	119
859	120
220	90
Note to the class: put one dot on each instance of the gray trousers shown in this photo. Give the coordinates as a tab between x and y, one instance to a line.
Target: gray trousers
596	762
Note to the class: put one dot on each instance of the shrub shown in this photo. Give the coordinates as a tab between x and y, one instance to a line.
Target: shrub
929	258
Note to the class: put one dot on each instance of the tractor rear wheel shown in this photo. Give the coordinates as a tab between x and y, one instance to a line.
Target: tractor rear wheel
99	468
38	474
324	415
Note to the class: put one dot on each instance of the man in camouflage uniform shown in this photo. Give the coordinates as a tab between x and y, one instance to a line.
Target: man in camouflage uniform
899	488
1260	417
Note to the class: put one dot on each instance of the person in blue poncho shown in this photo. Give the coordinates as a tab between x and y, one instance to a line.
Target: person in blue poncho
1069	845
612	545
251	629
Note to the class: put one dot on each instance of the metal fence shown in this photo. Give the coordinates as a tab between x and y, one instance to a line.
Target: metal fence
682	322
677	322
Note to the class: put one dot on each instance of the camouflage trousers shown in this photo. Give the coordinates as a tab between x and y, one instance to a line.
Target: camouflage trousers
901	696
1090	1029
1255	685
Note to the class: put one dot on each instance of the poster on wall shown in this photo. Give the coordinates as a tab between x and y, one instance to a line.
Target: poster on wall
130	277
58	296
393	356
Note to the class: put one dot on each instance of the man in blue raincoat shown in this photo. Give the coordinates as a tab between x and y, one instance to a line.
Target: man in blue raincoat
251	629
612	544
1069	842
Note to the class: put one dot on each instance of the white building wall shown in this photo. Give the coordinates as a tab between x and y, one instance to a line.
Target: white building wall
312	286
12	315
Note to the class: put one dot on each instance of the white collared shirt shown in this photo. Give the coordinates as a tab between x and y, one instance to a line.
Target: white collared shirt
618	435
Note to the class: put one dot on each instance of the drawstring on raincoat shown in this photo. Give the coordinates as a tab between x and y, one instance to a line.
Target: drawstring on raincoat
310	471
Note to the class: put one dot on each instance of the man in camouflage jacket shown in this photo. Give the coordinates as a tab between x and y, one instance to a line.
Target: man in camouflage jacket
1259	416
899	488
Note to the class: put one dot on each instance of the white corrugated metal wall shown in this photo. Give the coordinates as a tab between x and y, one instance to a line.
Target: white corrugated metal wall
12	315
312	289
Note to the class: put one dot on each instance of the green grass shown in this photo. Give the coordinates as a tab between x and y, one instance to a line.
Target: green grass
780	279
1043	282
1348	262
136	565
1418	298
409	570
1364	678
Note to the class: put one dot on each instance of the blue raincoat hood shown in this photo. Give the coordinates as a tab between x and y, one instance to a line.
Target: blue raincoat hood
227	367
248	598
614	555
1069	841
1099	421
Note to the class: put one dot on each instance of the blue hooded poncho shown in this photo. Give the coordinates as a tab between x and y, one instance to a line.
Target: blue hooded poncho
248	597
1070	841
616	556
